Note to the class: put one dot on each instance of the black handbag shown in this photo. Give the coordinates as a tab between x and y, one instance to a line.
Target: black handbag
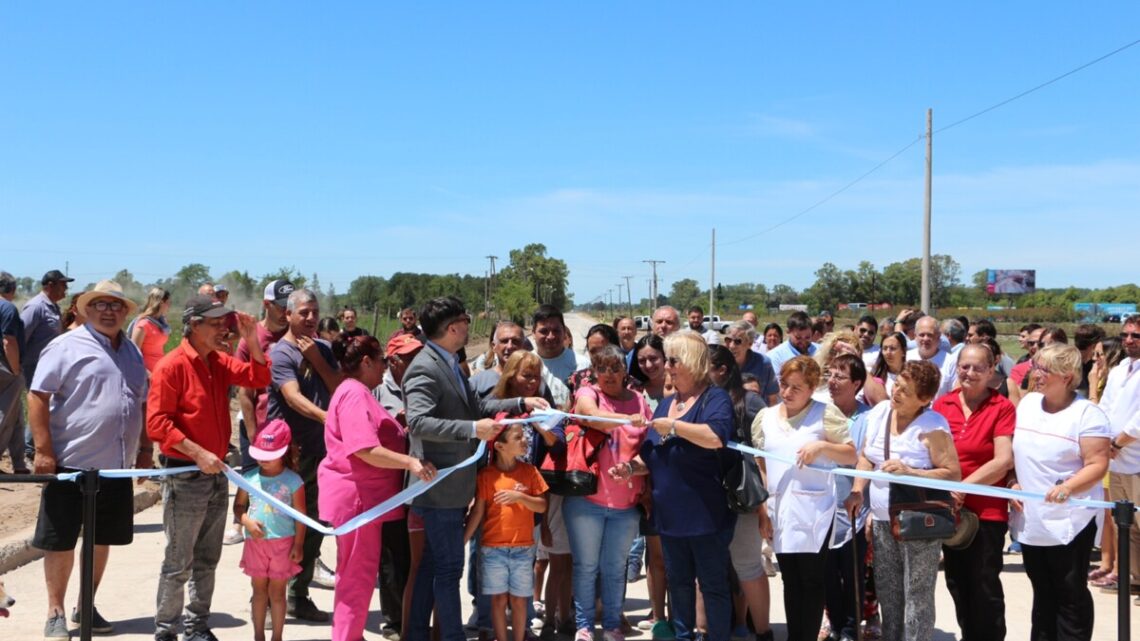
918	513
743	485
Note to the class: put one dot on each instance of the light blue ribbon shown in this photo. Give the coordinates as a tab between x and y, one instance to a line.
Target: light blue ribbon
918	481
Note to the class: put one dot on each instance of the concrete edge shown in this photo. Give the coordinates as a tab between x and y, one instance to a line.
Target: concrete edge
17	551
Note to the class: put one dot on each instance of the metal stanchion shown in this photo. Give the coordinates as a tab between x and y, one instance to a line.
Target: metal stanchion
1122	515
89	482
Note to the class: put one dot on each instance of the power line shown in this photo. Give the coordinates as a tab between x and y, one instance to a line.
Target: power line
1040	86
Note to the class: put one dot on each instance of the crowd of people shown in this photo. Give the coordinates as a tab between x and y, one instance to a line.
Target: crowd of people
334	421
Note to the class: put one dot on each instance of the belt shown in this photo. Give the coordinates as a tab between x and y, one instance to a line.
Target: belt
168	461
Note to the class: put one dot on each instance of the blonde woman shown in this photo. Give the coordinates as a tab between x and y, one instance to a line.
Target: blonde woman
149	331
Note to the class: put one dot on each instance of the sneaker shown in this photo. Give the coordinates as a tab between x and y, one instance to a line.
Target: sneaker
646	624
323	577
390	632
1014	548
539	609
537	622
613	635
233	535
98	623
663	630
305	610
56	627
584	634
165	636
199	635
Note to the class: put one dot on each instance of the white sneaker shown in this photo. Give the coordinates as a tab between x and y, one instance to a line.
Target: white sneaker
323	577
233	535
536	623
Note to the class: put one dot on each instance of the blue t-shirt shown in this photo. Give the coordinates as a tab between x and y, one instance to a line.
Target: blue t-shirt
760	366
688	496
11	325
288	364
281	487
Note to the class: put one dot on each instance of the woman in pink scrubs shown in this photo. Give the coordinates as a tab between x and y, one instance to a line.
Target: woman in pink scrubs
365	465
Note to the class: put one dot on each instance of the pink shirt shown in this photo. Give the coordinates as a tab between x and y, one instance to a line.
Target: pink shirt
348	486
623	444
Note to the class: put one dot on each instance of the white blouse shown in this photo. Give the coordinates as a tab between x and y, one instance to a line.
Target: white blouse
906	447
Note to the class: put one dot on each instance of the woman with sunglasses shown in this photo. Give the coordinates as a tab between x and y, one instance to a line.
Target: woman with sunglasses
681	456
1060	449
981	423
602	526
739	338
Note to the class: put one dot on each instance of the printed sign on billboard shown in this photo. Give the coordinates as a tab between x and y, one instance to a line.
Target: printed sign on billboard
1011	281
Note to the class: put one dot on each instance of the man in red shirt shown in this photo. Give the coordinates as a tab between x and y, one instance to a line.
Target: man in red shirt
188	417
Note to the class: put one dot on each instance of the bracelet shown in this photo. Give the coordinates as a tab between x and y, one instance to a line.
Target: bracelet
673	428
1116	446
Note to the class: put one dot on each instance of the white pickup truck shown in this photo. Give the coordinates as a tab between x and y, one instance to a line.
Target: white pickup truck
715	324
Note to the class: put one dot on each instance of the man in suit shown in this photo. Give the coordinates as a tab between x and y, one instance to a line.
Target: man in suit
446	421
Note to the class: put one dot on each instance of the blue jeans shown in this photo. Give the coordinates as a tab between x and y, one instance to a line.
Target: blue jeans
704	558
437	581
508	570
599	540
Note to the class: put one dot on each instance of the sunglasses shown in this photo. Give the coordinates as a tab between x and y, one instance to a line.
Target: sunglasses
1133	335
731	340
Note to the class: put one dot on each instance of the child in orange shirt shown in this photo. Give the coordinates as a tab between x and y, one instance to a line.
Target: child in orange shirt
507	493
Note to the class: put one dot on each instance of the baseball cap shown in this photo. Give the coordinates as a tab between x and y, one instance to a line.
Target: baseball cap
278	291
220	288
403	344
55	276
204	306
272	441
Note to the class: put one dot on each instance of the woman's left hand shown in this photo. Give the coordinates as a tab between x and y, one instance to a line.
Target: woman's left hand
663	425
807	454
1058	494
637	420
536	403
895	466
423	470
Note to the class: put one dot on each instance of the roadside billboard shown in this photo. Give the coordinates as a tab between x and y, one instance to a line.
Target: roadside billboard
1011	281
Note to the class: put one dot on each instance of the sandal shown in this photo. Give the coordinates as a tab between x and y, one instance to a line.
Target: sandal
1108	583
1099	573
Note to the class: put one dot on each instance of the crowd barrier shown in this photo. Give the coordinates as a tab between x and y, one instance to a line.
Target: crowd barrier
1123	511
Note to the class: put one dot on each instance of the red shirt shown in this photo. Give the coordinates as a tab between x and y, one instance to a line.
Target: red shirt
974	440
189	398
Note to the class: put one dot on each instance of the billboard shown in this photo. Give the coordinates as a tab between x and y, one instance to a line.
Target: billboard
1011	281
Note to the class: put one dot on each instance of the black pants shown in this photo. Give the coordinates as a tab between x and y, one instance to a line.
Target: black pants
395	560
973	577
1062	604
843	576
311	548
803	592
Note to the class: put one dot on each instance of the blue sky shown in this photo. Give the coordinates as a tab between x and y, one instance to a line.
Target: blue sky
372	138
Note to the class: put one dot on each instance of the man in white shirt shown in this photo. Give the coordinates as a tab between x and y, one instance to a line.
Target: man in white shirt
928	347
868	329
558	361
1121	401
697	324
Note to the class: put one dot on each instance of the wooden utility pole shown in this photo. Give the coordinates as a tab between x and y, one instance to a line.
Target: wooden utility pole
926	213
653	293
712	276
629	293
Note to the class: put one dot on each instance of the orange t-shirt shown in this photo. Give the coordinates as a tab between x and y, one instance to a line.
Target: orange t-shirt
508	525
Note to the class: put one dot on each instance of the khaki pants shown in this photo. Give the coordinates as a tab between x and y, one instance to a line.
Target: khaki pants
1127	487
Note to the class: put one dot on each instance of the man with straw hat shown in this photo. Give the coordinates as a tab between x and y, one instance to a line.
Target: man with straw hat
85	412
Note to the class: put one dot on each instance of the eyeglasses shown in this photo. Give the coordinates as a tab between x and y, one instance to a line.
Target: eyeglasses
1133	335
842	378
864	330
1040	368
463	318
612	369
104	305
979	369
732	340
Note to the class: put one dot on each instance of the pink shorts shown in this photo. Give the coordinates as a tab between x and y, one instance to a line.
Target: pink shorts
268	558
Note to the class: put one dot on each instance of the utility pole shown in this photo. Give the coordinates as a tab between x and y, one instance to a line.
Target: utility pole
653	290
712	276
629	293
926	213
619	286
490	278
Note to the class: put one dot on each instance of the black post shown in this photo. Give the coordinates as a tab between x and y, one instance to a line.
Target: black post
89	481
1122	515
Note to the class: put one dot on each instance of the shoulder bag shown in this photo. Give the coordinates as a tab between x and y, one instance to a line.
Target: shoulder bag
918	513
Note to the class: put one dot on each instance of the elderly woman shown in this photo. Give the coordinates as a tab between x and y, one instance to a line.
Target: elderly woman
738	338
802	503
892	355
602	526
981	423
684	465
1060	449
597	337
364	466
920	445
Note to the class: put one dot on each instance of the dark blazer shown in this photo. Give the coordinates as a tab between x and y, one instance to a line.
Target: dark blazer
440	416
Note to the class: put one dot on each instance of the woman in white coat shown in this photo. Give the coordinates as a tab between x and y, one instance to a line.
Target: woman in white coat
802	502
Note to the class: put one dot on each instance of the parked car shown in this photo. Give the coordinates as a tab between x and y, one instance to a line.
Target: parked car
643	322
715	324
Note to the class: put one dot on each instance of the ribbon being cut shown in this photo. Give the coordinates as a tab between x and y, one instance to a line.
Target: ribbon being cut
547	419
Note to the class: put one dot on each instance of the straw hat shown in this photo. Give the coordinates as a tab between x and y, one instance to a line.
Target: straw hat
964	532
106	289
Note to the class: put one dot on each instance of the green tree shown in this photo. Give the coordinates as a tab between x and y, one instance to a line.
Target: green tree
547	277
241	285
783	295
684	294
291	274
829	289
514	300
367	292
193	275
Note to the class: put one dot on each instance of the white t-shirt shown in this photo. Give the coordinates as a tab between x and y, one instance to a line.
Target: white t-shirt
555	372
1046	451
947	365
1121	402
870	357
906	447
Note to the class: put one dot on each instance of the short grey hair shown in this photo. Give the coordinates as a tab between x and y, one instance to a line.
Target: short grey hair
300	297
668	309
748	329
952	327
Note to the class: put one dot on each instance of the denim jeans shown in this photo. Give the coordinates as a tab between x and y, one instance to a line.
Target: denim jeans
703	558
437	580
599	541
474	584
194	520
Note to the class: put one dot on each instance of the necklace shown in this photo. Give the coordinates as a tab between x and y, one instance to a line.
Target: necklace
681	405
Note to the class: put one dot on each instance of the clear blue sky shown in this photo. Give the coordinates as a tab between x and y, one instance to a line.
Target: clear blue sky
369	138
